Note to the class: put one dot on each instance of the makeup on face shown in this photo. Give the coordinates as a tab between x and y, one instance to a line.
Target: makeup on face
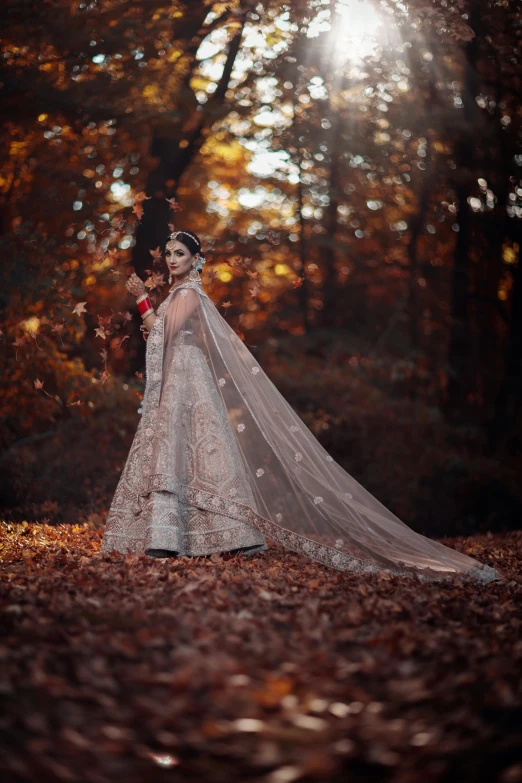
178	258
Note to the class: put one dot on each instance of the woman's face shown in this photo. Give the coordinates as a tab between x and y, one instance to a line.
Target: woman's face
179	258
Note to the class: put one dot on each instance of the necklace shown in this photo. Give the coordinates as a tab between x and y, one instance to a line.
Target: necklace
192	277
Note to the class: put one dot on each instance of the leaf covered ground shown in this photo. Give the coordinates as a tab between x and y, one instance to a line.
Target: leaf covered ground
271	668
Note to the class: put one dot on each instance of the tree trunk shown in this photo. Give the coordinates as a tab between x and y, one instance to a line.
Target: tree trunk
176	155
417	222
459	347
303	292
509	399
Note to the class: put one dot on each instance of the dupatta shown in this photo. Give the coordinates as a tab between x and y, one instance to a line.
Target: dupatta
304	499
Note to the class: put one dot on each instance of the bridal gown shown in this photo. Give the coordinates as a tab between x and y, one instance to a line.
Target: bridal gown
191	438
221	462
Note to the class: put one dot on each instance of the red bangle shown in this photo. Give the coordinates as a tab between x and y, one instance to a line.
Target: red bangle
144	305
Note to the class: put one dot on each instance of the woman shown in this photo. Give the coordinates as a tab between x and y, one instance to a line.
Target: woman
220	460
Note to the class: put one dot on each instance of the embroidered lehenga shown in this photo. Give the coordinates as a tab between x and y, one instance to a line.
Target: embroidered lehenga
220	461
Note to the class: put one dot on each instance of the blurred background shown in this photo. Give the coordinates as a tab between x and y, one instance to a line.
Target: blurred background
353	169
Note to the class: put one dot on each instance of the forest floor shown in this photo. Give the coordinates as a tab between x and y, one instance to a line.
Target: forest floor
270	668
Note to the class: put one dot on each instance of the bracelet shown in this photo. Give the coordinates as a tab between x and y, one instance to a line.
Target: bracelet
141	298
149	312
144	304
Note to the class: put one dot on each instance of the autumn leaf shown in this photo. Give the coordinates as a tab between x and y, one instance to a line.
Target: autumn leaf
141	196
156	255
211	275
174	204
138	211
100	333
38	384
254	291
156	280
298	283
118	346
252	275
226	305
80	308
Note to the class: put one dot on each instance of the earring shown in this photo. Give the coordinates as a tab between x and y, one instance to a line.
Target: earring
170	278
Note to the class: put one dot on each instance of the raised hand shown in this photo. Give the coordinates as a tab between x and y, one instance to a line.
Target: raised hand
135	285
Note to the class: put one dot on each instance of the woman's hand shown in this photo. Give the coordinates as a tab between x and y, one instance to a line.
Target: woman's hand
135	285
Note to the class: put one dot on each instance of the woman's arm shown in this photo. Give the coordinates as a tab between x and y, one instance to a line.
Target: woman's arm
182	305
136	286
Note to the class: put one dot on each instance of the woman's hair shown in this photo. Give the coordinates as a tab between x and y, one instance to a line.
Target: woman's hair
192	242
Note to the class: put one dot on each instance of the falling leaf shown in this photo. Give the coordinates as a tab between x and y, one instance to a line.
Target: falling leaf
80	308
118	345
156	280
38	384
174	204
141	196
138	211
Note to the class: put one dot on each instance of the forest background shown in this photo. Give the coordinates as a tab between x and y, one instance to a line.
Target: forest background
353	169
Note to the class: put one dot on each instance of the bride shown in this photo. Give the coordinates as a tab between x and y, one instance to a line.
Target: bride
220	460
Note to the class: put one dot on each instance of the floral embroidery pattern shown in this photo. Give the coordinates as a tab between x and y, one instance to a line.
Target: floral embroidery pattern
259	472
255	370
279	517
347	495
298	456
240	427
222	381
293	428
318	499
339	543
329	458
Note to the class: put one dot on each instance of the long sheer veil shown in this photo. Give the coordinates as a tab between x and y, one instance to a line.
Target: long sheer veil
303	498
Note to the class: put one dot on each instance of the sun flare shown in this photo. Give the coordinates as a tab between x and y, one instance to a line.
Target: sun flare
359	28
